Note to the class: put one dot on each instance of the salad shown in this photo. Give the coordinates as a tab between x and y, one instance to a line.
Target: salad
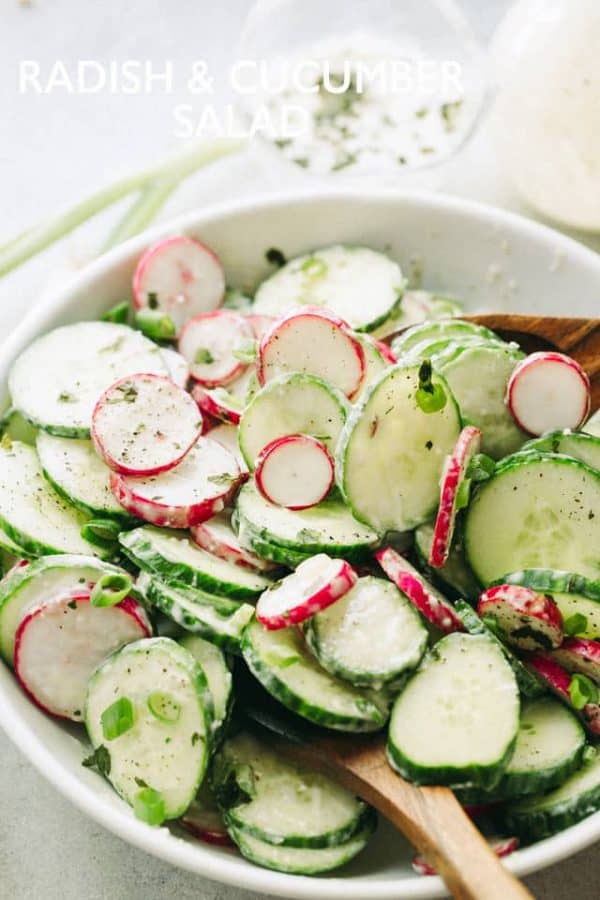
337	496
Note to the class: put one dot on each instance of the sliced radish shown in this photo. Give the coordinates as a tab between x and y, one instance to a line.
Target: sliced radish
144	424
548	390
179	276
209	343
260	324
177	366
227	436
204	821
560	683
580	655
525	618
316	584
295	471
468	444
316	342
216	536
502	846
218	403
427	600
194	490
386	352
60	642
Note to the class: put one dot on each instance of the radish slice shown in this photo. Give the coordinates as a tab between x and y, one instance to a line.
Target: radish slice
177	366
209	342
316	584
427	600
260	324
227	436
526	619
60	642
468	444
295	471
216	536
560	683
580	655
502	846
547	391
315	342
386	352
218	403
144	424
179	276
189	493
204	821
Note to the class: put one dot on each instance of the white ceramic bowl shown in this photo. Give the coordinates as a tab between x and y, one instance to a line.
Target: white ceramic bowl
490	258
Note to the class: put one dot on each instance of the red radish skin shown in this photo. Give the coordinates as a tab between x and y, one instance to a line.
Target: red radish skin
559	682
295	471
195	490
144	424
214	403
331	350
204	821
579	655
206	834
216	536
468	444
209	342
292	601
181	276
547	391
386	352
528	620
501	846
427	600
54	657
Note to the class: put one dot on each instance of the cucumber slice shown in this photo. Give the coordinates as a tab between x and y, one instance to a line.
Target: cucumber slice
280	661
328	527
455	572
582	446
541	816
537	510
77	473
214	664
29	586
371	636
456	721
78	363
32	514
390	435
168	754
573	594
216	619
550	747
280	802
174	557
375	364
274	553
294	860
445	329
13	425
291	404
338	278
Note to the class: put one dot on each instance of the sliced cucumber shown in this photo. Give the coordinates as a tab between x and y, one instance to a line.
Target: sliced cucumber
213	663
573	594
216	619
291	404
31	512
328	527
338	278
281	802
375	364
550	747
537	510
280	661
77	473
455	573
274	553
391	453
171	555
456	721
571	443
78	363
294	860
166	747
29	586
542	815
371	636
16	428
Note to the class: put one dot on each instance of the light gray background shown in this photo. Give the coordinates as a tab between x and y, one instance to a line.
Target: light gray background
53	150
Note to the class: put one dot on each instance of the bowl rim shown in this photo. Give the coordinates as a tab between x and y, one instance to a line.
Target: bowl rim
160	842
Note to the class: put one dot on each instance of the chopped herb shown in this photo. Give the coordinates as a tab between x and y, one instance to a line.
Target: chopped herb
582	691
152	300
422	112
575	624
127	393
99	760
301	161
6	442
203	357
66	397
140	782
195	738
115	346
275	256
224	480
481	467
117	718
449	113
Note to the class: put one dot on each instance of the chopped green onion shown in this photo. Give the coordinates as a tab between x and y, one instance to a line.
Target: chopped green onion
463	494
156	325
111	589
99	759
430	397
118	313
149	806
582	690
101	531
203	357
117	718
575	624
164	707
